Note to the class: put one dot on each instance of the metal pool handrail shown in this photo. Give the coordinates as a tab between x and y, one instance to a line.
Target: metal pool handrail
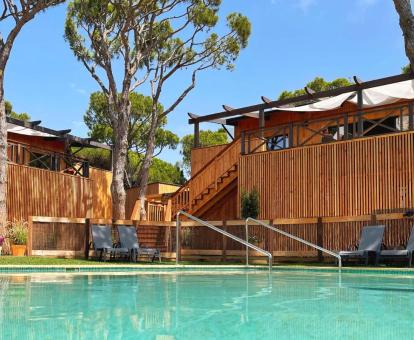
290	236
233	237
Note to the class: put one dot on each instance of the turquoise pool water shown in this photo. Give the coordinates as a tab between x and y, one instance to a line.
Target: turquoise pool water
216	305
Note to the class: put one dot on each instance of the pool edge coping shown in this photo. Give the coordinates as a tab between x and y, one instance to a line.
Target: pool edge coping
27	269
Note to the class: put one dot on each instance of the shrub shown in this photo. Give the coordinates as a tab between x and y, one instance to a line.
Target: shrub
250	204
17	232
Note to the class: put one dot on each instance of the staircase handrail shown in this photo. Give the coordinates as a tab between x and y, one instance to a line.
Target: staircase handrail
186	185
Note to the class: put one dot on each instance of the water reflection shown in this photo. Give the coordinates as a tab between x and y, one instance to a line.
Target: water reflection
194	306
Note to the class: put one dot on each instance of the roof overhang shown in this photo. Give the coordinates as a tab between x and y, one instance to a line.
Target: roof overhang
320	101
36	130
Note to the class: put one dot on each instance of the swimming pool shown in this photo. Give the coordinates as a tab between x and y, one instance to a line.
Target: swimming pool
206	305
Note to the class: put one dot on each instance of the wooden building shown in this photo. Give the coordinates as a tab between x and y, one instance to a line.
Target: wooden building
46	178
342	152
158	201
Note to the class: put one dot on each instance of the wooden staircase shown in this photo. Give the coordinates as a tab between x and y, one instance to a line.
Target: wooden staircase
214	191
205	188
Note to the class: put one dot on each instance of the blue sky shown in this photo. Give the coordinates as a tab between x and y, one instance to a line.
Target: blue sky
292	41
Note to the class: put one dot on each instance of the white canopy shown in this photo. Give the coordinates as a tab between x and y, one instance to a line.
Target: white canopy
375	96
21	130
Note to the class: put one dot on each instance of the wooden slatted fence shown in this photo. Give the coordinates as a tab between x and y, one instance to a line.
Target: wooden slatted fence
68	237
38	192
348	178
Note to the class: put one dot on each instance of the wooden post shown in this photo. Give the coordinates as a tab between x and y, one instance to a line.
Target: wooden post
168	210
243	143
346	127
224	253
410	117
248	145
30	236
86	169
178	242
196	135
87	232
169	240
373	219
319	237
20	154
290	135
360	126
261	122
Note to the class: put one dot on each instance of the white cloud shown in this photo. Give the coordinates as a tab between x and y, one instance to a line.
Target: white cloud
302	5
79	90
366	3
358	12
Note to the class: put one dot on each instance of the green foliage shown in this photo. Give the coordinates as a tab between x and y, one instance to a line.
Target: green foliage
406	69
250	204
9	108
318	84
160	171
207	138
97	119
10	113
98	158
17	232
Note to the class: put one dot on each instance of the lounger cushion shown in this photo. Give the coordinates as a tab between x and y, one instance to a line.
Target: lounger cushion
352	253
397	252
371	238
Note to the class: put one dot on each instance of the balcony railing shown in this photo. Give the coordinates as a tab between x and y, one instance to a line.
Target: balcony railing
48	160
325	130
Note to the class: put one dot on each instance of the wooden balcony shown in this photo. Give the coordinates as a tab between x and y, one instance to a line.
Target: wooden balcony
347	126
48	160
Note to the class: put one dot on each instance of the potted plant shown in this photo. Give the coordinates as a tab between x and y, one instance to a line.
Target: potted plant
2	238
250	204
17	232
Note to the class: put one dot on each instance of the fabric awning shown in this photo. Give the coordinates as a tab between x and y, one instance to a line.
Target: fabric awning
372	97
21	130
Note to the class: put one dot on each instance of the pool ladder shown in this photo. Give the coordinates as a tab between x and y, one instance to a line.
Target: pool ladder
225	233
337	256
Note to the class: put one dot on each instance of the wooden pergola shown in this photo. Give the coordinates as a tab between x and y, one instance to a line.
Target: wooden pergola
230	115
63	135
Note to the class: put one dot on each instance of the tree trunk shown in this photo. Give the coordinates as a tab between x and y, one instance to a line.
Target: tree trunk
3	159
146	163
119	160
404	10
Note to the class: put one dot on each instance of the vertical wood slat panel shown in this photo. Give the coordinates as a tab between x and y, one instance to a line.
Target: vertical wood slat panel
63	234
201	156
346	178
38	192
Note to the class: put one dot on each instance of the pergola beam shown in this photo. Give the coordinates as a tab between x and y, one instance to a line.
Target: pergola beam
227	108
35	123
62	134
322	94
265	100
